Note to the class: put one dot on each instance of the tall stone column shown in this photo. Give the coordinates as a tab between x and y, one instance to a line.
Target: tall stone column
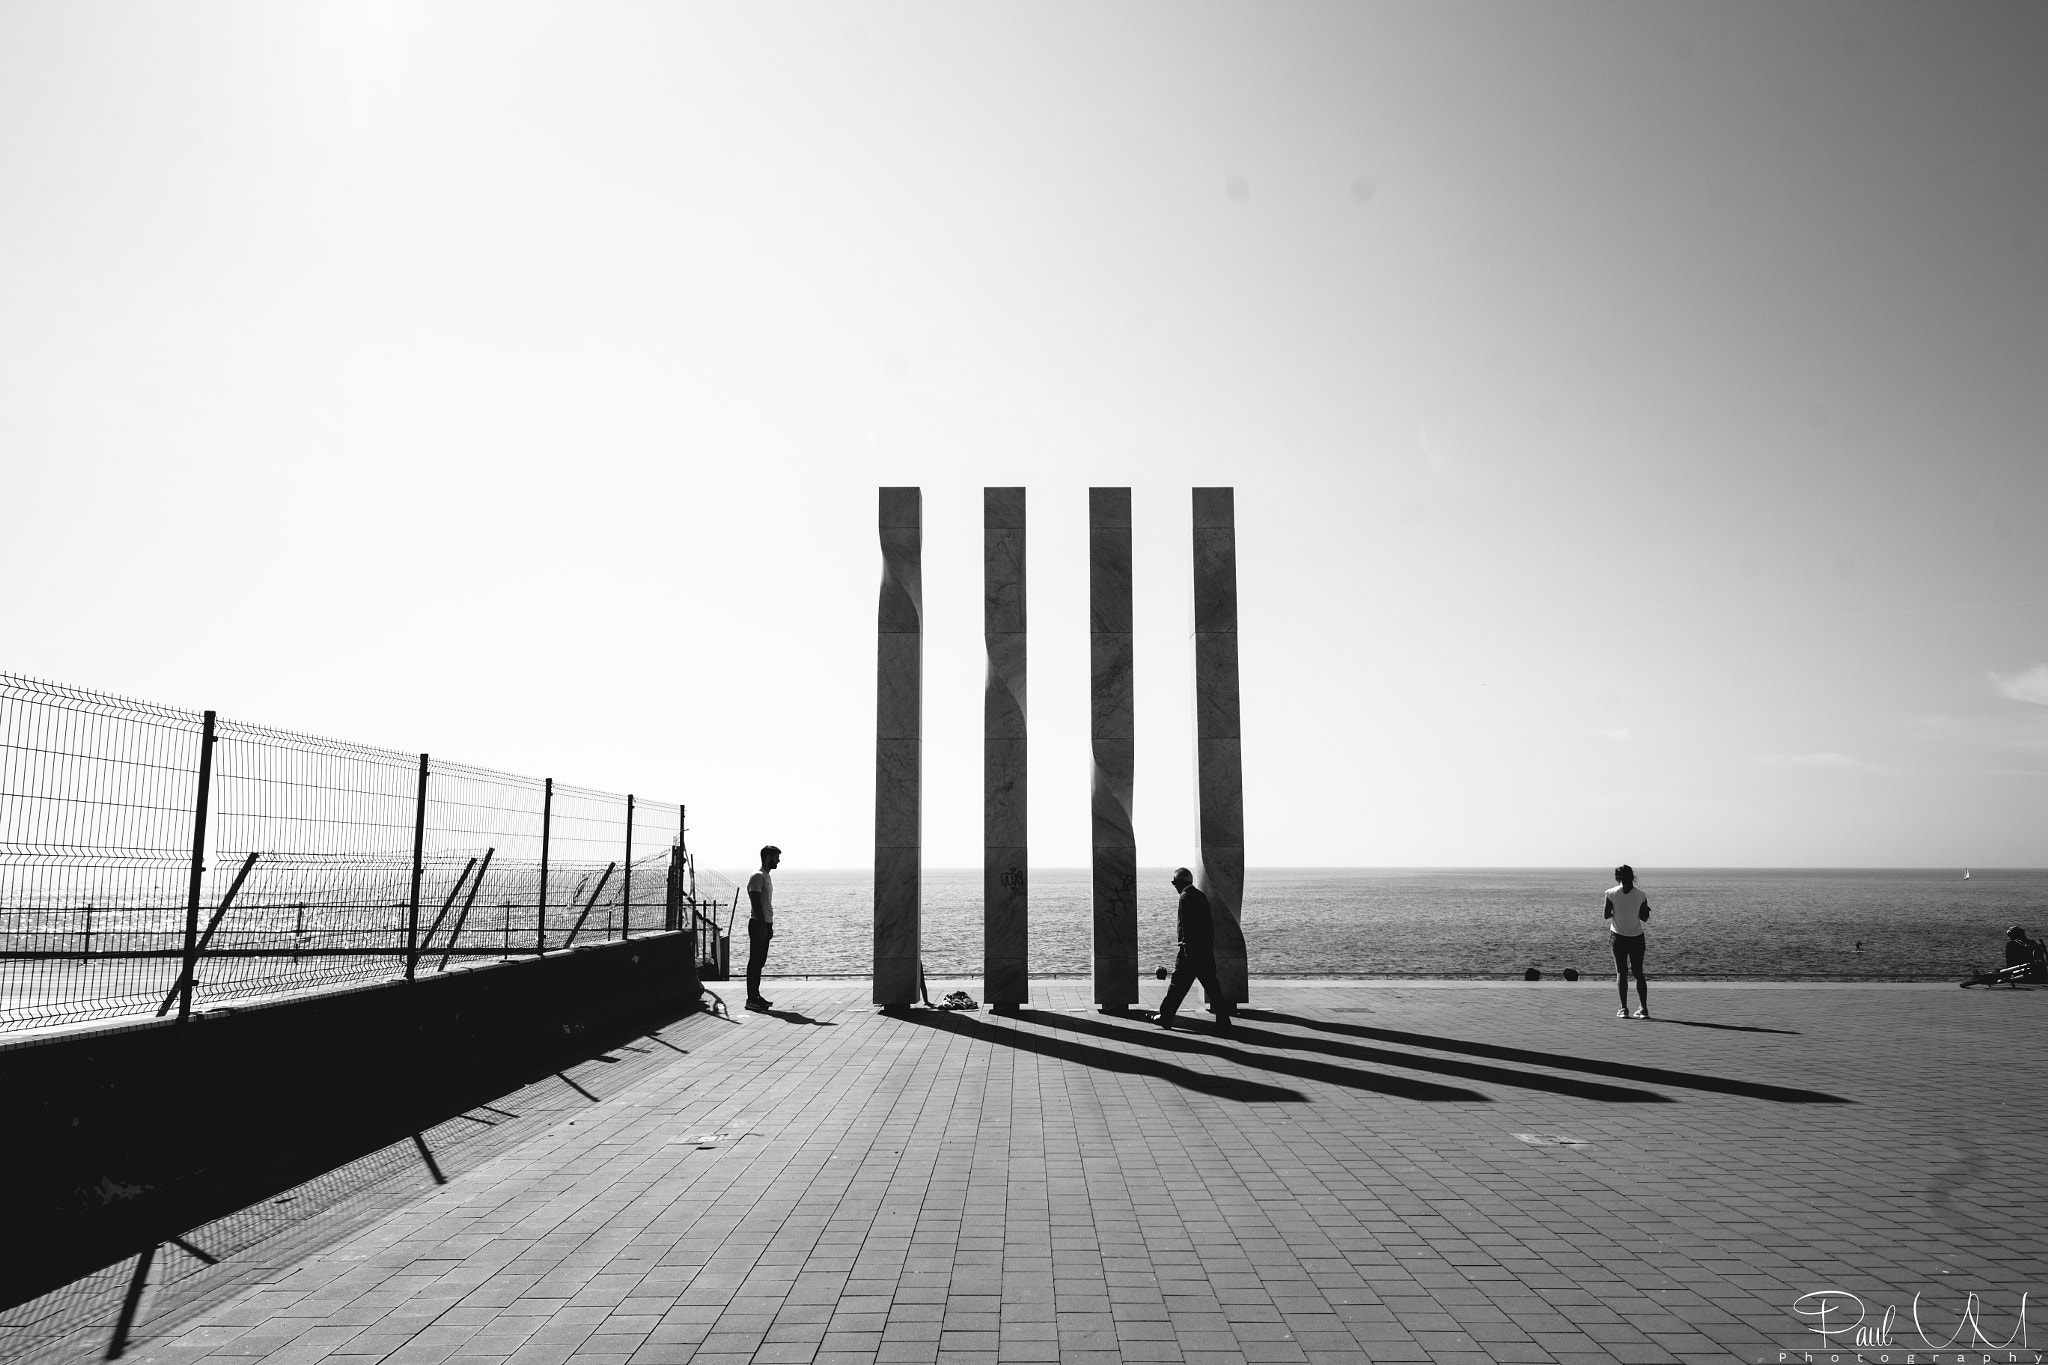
899	747
1219	765
1112	737
1006	928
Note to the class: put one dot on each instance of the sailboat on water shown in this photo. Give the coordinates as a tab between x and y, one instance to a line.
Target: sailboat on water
1966	874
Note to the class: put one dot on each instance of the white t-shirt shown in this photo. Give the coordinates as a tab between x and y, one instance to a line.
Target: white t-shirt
764	884
1628	907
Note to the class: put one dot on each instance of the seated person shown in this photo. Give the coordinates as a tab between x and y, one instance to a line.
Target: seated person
2026	959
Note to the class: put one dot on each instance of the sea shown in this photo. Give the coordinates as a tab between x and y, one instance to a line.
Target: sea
1774	924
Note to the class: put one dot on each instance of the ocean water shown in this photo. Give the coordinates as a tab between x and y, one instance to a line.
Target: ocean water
1706	924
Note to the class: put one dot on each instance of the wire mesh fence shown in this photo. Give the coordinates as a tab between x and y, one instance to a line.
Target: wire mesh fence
156	861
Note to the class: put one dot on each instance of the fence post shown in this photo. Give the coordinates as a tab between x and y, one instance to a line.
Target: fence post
674	897
626	891
198	870
547	819
419	847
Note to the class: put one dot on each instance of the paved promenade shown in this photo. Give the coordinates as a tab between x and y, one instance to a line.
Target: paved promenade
1384	1172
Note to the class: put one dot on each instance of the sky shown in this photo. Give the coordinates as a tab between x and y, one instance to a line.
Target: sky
1636	411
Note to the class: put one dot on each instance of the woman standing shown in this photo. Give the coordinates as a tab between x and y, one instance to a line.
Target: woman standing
1628	910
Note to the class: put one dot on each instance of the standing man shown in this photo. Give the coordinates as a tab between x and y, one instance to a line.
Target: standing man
1628	910
1197	960
761	924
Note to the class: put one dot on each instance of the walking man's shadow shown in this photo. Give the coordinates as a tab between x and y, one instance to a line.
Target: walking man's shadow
797	1017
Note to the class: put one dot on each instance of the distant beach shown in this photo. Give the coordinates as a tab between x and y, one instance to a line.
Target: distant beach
1708	924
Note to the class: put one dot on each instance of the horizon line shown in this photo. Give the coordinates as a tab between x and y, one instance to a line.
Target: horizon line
1472	867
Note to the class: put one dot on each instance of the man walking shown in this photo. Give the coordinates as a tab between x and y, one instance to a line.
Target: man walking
761	924
1197	960
1628	910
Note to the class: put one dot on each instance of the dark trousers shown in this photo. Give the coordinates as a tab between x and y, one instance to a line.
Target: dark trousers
758	934
1628	957
1189	968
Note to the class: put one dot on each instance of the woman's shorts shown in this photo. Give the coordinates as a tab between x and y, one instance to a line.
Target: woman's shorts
1628	952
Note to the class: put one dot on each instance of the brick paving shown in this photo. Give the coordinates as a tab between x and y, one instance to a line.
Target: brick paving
1339	1181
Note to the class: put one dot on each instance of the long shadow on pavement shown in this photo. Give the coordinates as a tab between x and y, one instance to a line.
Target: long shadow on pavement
1730	1028
1104	1059
1330	1073
1687	1080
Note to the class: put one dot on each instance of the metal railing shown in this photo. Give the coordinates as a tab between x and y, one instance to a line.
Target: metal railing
156	861
713	939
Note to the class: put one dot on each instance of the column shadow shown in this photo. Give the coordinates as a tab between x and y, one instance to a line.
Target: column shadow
1653	1075
1730	1028
1351	1077
1105	1059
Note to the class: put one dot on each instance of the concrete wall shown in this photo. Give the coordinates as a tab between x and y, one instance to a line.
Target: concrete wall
120	1138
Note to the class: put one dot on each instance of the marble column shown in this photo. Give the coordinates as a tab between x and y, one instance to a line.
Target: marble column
899	747
1219	768
1112	736
1005	923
